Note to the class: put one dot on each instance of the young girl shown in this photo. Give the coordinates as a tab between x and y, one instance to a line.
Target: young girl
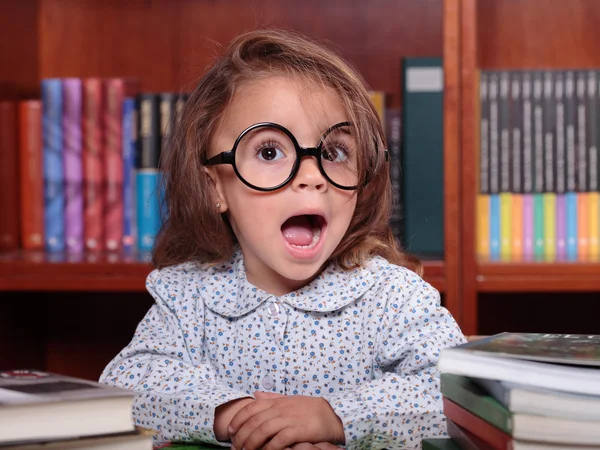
285	316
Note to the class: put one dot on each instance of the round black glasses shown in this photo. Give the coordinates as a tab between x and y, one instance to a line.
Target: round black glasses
266	156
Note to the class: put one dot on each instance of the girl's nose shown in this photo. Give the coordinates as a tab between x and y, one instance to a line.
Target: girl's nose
309	176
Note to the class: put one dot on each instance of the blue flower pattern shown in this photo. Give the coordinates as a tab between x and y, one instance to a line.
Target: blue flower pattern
367	340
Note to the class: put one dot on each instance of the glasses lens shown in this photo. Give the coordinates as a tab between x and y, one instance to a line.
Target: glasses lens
265	157
339	156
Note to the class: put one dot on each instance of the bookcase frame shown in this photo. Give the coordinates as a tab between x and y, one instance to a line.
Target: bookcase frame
510	34
168	44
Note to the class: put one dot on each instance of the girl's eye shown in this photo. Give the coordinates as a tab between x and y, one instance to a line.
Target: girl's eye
269	152
335	153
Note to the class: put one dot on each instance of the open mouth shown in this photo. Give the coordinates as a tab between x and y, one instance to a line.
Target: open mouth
303	231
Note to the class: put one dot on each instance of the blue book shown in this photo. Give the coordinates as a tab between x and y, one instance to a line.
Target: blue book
52	142
494	227
148	208
571	208
129	158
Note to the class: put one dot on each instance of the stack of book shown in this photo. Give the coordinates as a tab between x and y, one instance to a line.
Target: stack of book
522	392
39	410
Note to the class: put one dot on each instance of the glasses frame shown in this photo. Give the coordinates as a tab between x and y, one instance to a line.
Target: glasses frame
301	152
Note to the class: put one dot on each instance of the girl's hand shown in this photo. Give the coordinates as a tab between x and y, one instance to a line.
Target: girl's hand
276	422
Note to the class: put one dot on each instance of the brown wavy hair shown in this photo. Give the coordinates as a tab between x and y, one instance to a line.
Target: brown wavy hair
193	229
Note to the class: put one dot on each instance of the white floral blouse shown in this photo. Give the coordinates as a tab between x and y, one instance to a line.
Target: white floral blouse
366	340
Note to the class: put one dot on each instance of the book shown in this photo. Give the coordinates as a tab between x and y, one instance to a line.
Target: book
36	405
438	444
137	440
468	395
563	362
9	193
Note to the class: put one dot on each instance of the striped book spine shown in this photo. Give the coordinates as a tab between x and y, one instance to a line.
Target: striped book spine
73	165
52	132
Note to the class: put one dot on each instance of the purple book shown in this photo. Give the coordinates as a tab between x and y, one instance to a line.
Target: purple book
73	168
528	235
561	227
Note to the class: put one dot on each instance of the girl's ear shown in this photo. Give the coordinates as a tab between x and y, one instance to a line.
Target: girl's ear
213	175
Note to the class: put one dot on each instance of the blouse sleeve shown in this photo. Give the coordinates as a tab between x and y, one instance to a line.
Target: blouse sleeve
177	391
402	405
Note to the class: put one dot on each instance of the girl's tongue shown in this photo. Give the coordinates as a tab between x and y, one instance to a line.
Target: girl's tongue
298	230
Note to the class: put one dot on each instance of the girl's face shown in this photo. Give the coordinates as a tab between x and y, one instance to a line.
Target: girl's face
286	235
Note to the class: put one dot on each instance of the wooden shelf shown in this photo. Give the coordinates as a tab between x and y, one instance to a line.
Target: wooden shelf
538	276
41	271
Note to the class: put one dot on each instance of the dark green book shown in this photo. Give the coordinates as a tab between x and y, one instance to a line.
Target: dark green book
423	156
439	444
466	393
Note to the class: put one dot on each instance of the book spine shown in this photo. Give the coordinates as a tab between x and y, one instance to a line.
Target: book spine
394	133
93	166
483	204
54	195
148	208
571	166
549	196
149	132
527	116
505	167
582	165
516	123
31	174
73	165
560	163
147	176
9	192
494	177
128	146
113	164
592	157
538	163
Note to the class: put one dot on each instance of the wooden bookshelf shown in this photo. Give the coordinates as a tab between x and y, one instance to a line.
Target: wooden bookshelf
509	34
167	45
37	271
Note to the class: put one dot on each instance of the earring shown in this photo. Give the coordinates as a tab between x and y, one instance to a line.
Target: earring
218	205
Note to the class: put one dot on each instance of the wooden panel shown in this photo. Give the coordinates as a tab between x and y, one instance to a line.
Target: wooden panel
169	43
468	166
538	277
19	65
452	178
534	34
38	271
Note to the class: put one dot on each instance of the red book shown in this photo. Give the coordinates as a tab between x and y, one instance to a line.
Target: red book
31	174
115	89
93	164
478	427
9	182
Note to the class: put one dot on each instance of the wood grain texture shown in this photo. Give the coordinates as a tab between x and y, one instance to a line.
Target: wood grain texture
19	50
169	44
452	179
534	34
468	166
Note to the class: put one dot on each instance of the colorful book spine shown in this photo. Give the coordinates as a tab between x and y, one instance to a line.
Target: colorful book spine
506	222
128	146
538	167
148	212
582	167
560	164
593	197
494	167
31	174
516	139
54	196
549	196
73	164
93	167
114	90
528	173
571	167
483	199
